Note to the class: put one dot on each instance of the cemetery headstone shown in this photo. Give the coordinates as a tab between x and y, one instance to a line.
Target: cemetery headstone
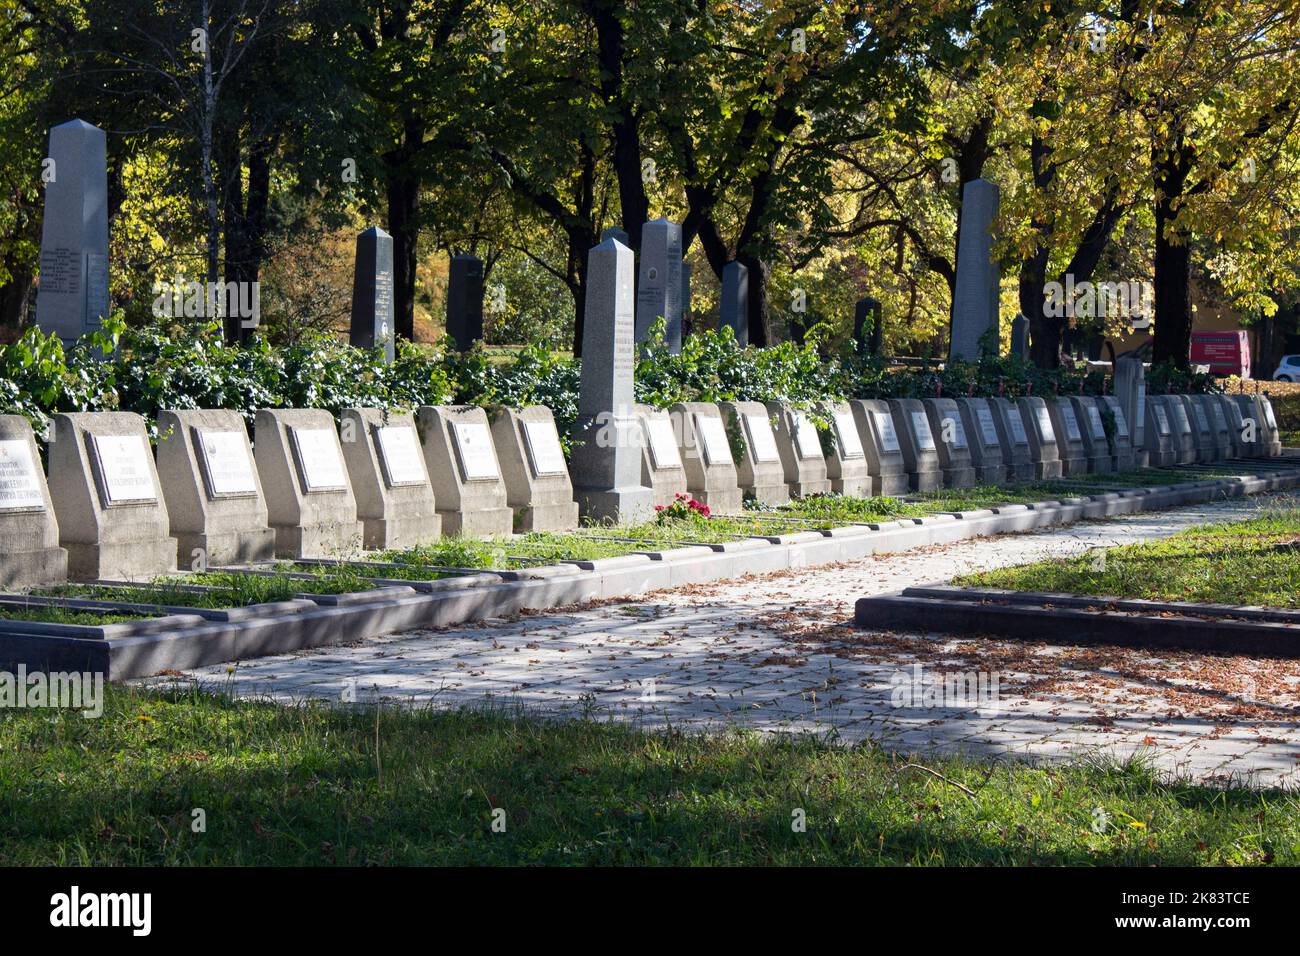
868	329
686	296
759	468
72	296
465	301
800	448
735	301
1017	455
1219	422
1207	444
886	467
1161	445
1236	425
951	441
1043	448
1020	337
705	447
1273	436
462	463
1184	434
1131	391
215	505
606	460
104	486
1067	427
662	468
917	442
979	421
1092	425
536	474
975	299
30	555
372	293
846	464
1123	457
614	232
395	501
309	499
659	282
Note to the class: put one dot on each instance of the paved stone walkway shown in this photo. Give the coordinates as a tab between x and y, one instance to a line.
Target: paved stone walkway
774	653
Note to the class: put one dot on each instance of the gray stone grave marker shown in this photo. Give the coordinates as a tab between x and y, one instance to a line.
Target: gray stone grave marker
762	476
215	504
1017	454
104	486
538	489
1069	437
886	469
372	293
1131	391
72	296
735	301
395	500
951	441
1043	447
985	443
659	282
975	300
606	459
920	450
711	475
846	465
461	459
662	468
465	301
800	449
30	555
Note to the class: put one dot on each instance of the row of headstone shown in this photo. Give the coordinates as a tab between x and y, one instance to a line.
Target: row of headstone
310	489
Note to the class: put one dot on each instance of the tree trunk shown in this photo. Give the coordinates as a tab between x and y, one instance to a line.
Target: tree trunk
1173	266
625	126
403	189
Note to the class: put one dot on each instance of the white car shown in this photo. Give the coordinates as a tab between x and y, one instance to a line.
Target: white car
1288	370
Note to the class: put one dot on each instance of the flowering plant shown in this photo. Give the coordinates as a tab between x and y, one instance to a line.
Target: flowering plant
683	508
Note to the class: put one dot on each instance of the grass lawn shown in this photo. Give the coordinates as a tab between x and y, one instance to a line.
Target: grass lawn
1247	562
320	785
64	615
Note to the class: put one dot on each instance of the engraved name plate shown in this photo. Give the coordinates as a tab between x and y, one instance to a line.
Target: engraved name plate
663	443
1095	423
885	428
713	435
400	455
921	425
807	443
1071	423
123	462
846	434
988	430
227	466
544	451
478	460
319	463
20	485
762	444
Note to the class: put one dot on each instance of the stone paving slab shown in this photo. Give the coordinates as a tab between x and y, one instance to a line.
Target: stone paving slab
777	653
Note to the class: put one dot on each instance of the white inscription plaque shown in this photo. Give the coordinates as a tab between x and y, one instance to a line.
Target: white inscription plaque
399	452
478	460
123	462
544	451
20	486
319	461
227	467
762	444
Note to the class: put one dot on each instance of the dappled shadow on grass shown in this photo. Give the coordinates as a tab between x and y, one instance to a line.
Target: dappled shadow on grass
324	785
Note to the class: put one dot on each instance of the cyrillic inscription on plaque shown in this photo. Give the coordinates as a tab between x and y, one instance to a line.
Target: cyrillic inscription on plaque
319	461
399	451
846	433
227	467
544	449
20	486
478	461
123	463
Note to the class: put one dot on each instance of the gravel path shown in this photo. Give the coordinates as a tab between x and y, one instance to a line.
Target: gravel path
774	653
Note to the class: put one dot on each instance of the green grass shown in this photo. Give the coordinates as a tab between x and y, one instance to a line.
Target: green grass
65	615
833	509
319	785
229	588
1246	562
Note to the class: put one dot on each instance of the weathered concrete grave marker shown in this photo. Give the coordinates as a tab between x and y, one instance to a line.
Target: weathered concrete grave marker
886	467
214	496
662	468
1069	437
951	442
72	296
309	499
606	461
30	555
800	449
465	301
846	465
395	500
538	489
1017	455
462	463
104	486
985	443
916	440
711	474
1131	392
1043	448
975	300
762	476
